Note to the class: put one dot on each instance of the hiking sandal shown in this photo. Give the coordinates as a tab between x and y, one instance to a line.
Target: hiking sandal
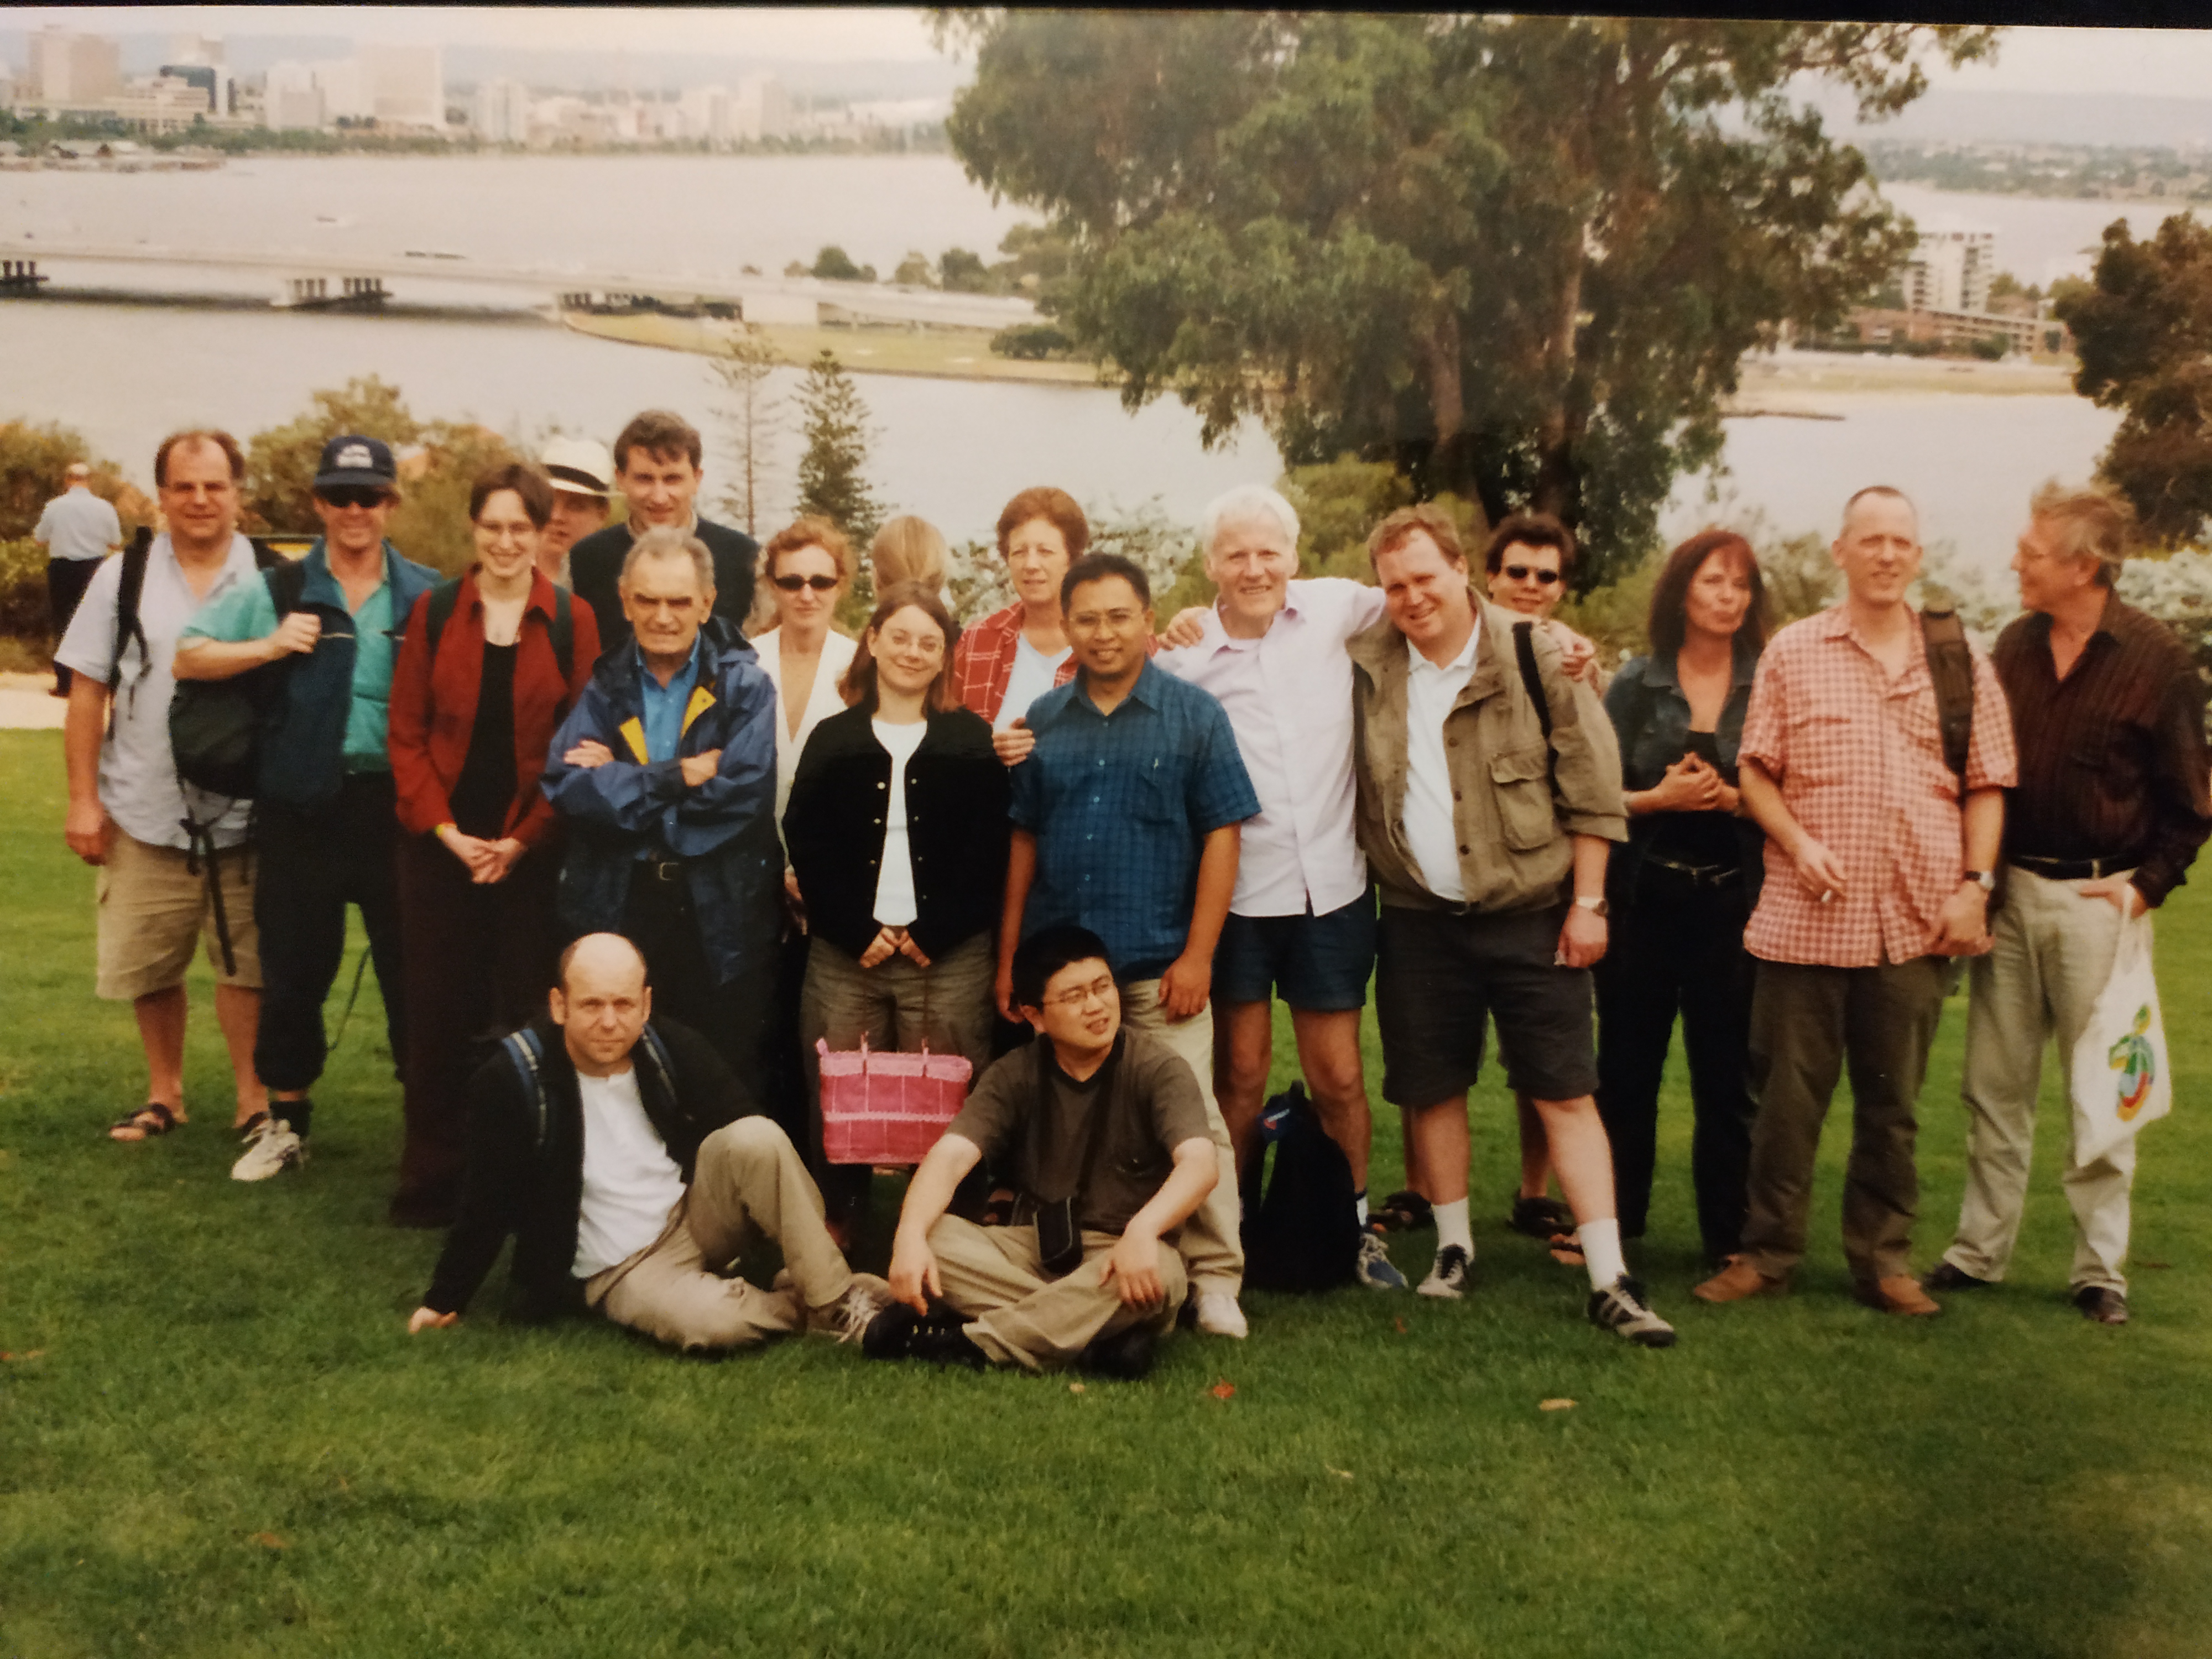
1401	1213
1551	1224
150	1120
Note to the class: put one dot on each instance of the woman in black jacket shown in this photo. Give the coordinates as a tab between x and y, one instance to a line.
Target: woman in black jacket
897	830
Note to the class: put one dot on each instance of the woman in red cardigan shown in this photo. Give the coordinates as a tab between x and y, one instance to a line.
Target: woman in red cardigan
488	669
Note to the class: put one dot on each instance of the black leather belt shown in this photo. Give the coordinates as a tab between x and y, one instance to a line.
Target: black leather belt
2071	869
1699	875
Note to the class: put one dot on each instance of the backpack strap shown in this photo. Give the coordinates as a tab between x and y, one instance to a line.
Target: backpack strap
287	581
129	586
265	556
1524	652
1951	667
655	1053
527	1056
443	598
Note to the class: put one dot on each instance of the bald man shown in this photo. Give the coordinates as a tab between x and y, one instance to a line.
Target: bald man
611	1145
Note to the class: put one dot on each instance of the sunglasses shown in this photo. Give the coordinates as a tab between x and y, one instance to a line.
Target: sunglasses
352	496
792	584
1522	573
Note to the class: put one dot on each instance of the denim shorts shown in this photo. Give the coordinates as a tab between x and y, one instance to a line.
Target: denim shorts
1320	963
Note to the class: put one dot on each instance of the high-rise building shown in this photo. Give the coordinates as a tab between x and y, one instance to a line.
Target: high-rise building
760	110
707	112
75	69
293	100
1951	266
501	115
344	86
406	84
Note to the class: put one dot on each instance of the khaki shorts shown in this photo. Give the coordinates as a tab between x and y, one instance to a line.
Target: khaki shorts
154	910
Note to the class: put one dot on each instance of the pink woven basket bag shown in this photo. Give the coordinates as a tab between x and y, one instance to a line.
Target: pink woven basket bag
887	1109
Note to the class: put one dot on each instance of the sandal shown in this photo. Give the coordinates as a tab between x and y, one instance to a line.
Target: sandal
1401	1213
150	1120
1552	1223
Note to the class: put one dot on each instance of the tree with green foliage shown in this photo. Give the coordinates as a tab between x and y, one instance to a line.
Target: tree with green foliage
1520	257
752	420
959	272
915	270
833	264
32	461
2143	328
833	466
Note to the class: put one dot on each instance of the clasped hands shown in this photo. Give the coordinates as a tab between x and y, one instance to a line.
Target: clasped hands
889	942
488	860
1692	784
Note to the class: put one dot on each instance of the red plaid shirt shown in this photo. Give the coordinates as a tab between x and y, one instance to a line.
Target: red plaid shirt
1859	758
983	662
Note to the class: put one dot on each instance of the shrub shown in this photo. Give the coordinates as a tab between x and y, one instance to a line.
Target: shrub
1031	340
23	611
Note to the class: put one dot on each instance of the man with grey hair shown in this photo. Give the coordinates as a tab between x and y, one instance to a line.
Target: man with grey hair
2107	816
1301	921
78	529
665	771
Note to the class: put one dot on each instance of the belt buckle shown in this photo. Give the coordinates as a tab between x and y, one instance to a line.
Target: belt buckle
667	870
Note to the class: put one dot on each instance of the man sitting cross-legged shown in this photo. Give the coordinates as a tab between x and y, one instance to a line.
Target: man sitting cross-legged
1103	1132
631	1183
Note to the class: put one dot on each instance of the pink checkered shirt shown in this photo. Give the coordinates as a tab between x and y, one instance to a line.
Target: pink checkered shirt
1860	761
983	661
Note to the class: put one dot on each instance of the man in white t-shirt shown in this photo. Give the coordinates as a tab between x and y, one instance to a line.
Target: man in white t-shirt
127	807
1302	922
78	529
614	1152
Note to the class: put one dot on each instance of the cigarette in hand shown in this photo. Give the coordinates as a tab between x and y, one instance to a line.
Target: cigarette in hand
1826	896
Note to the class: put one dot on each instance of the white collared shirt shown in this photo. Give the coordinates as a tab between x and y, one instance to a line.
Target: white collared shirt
1289	697
1432	826
823	700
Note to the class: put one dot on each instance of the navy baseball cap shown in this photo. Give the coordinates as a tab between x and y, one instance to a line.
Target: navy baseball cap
352	459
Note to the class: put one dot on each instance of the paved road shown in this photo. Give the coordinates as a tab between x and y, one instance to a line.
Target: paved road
26	704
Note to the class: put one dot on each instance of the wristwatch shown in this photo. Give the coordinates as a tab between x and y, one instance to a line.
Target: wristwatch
1984	879
1597	906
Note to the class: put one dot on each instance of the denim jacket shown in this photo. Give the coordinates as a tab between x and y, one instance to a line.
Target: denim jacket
1651	717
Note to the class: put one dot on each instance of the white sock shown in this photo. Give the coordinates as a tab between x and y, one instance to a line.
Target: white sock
1360	1203
1601	1243
1452	1226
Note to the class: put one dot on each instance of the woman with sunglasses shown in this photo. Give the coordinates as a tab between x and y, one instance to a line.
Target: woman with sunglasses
1014	656
1680	891
807	567
898	832
488	668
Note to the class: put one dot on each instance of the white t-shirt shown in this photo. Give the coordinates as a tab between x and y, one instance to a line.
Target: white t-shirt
894	900
630	1183
1032	676
1431	826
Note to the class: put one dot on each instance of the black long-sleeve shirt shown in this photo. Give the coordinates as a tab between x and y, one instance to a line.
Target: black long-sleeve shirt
2112	761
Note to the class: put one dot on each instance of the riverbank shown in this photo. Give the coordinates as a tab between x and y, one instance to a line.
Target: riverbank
932	354
1826	384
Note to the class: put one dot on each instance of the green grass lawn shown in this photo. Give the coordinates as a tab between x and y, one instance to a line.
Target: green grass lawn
216	1438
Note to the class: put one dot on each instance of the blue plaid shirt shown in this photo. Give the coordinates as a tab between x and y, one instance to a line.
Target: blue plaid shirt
1121	805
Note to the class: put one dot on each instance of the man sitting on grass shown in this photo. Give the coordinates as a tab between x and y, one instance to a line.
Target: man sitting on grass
614	1154
1102	1131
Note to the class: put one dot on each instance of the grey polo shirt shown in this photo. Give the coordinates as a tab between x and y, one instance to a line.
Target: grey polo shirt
138	783
78	524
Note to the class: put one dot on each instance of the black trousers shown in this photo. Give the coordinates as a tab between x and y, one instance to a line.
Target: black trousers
1678	949
66	581
309	866
735	1017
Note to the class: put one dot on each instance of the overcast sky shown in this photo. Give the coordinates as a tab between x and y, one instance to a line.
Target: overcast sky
2156	62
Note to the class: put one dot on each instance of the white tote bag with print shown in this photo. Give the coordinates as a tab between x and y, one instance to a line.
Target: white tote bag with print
2122	1076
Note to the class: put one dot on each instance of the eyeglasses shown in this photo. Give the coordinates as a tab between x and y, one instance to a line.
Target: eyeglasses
1099	990
1522	573
354	495
792	584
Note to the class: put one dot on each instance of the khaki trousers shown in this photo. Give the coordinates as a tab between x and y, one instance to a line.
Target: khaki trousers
2052	955
1808	1023
1024	1318
1212	1246
749	1184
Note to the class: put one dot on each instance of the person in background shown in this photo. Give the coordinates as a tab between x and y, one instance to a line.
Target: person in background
78	529
581	473
897	832
908	549
1098	1123
1682	890
1486	818
656	459
127	807
325	830
472	711
1301	919
2107	816
665	771
632	1182
1014	656
1879	861
1126	817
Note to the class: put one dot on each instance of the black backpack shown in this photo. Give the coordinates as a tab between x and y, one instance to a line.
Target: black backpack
1303	1234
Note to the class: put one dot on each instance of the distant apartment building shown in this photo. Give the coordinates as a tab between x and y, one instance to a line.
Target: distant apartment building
406	85
291	100
199	60
1951	267
68	68
501	112
344	84
761	110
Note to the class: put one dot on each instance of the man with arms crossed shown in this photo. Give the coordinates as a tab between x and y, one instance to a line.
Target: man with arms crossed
657	469
1477	826
1878	869
78	531
2106	818
326	825
127	807
1125	822
642	1184
1093	1112
1303	917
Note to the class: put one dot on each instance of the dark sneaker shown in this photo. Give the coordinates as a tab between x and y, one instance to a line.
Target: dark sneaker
1448	1277
1375	1269
1619	1308
1949	1276
1126	1356
2102	1304
889	1334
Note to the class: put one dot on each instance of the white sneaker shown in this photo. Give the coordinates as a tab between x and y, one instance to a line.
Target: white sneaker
1448	1277
273	1148
1219	1316
843	1320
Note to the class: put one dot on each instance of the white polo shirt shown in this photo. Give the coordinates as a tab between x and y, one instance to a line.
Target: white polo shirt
1289	697
1431	826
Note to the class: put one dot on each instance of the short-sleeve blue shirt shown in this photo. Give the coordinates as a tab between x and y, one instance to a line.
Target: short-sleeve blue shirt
1120	804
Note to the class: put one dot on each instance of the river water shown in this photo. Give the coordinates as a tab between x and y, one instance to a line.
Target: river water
952	451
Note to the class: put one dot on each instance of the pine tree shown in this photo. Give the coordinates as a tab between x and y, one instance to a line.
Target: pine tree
753	419
831	481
